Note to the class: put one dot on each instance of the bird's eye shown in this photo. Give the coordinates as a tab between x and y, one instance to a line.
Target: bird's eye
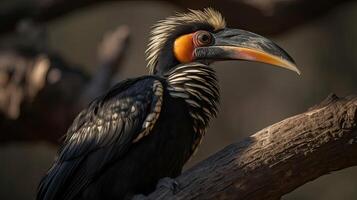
202	38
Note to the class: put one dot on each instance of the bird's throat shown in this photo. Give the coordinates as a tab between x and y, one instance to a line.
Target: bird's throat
197	84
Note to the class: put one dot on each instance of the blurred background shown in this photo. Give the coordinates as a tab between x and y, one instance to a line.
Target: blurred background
57	55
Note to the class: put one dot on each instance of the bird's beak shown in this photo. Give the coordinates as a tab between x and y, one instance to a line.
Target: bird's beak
235	44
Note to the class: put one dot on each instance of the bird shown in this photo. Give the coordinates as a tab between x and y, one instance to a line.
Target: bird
145	129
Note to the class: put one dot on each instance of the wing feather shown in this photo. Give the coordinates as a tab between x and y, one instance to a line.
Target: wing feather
118	119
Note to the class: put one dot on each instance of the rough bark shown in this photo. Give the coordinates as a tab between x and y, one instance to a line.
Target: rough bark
261	16
277	159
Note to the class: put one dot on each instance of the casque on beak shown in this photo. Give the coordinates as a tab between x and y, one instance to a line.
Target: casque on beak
236	44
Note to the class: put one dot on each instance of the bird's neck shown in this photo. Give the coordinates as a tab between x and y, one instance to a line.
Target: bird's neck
197	84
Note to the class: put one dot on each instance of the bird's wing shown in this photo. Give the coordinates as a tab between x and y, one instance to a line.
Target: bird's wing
101	133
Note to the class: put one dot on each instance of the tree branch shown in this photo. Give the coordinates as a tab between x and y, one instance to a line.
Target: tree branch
110	54
268	17
261	16
277	159
40	92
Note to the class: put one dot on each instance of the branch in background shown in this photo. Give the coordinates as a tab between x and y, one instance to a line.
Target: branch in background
261	16
268	17
111	52
40	94
277	159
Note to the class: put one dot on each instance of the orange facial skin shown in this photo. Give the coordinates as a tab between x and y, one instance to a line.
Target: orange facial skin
183	48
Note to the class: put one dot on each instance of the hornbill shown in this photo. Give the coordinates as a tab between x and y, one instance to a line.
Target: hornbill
146	128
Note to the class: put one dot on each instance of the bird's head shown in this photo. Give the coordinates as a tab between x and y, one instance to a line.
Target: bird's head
202	36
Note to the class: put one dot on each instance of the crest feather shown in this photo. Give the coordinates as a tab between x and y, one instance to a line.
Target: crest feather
160	32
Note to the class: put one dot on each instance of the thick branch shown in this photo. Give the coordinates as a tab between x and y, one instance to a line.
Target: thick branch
277	159
262	16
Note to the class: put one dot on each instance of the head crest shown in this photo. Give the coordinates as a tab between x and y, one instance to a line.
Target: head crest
161	31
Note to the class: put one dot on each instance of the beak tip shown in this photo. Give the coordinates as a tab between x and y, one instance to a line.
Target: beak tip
293	67
298	71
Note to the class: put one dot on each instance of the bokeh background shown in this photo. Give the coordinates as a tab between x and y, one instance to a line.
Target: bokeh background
253	95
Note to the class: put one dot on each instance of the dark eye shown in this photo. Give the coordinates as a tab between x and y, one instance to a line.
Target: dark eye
202	38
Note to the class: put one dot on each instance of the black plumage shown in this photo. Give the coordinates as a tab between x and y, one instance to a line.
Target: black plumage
95	163
146	128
